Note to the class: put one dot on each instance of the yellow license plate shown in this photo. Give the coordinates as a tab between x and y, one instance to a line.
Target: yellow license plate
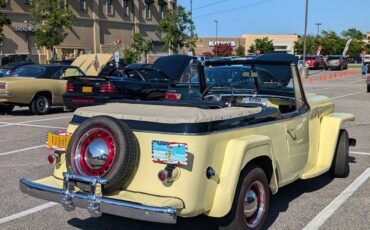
58	141
86	89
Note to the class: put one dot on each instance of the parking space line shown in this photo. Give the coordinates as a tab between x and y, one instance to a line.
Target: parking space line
360	153
320	219
315	90
7	124
26	212
347	95
47	119
21	150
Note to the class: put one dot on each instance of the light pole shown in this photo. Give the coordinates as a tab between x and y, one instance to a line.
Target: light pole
305	40
216	43
28	30
318	24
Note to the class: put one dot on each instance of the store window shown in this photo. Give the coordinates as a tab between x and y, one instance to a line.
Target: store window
109	6
126	7
82	5
148	13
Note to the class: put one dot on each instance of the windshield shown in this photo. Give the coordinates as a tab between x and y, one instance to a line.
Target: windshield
29	71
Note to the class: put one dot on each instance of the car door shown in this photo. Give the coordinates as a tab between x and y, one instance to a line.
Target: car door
296	125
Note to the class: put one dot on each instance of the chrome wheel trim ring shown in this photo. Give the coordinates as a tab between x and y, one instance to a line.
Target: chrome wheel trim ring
254	206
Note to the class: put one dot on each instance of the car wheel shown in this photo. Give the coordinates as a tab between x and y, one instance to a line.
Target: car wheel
340	165
105	147
41	104
6	109
251	201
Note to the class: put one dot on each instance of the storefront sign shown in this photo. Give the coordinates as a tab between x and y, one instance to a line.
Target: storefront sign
24	28
213	43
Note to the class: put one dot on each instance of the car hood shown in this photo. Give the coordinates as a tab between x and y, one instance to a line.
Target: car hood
92	64
173	65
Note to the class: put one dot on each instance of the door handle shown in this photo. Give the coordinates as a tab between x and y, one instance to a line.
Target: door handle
292	133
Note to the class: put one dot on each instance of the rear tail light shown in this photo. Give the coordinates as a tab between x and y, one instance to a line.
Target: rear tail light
172	96
7	72
2	85
108	88
69	87
51	159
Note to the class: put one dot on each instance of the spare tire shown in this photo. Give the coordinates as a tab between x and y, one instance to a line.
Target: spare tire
104	147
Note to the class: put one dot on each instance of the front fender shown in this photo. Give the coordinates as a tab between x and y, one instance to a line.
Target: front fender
330	126
237	155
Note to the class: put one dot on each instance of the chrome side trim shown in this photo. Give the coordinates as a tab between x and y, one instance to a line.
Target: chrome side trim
98	205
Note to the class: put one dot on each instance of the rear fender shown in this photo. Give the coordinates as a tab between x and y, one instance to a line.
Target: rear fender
239	152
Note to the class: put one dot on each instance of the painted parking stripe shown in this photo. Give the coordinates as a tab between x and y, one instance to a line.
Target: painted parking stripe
320	219
347	95
7	124
47	119
26	212
315	90
21	150
360	153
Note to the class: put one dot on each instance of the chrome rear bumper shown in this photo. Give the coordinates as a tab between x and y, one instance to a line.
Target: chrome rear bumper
94	202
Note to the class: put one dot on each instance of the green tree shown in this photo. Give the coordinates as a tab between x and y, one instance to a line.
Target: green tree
51	19
178	29
357	45
264	45
4	20
139	46
252	49
312	45
240	50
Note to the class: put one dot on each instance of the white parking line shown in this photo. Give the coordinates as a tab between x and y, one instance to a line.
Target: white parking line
347	95
320	219
315	90
360	153
47	119
26	212
7	124
21	150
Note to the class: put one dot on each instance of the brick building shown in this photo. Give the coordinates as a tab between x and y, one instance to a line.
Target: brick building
100	26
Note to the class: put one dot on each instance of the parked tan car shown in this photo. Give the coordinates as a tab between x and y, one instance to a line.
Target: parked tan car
43	86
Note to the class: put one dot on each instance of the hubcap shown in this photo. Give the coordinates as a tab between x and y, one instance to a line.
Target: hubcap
95	152
254	204
41	104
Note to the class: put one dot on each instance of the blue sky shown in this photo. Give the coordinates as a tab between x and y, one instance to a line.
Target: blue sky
237	17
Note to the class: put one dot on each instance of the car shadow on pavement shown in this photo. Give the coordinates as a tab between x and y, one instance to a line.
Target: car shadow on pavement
116	222
27	112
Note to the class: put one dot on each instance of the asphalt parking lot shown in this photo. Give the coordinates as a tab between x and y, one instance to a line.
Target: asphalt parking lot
321	202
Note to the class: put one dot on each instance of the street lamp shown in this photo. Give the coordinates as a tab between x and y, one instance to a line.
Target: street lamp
305	41
216	43
318	24
28	30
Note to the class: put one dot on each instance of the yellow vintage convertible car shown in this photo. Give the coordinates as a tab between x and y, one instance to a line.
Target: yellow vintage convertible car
221	154
43	86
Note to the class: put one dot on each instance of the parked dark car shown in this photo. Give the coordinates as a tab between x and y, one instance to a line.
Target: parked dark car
8	70
8	59
111	67
138	82
315	62
354	59
336	62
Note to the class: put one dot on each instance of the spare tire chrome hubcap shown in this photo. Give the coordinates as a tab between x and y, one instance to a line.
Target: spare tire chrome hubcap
95	152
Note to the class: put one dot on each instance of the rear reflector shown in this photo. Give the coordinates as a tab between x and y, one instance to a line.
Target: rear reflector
83	100
108	88
51	159
172	96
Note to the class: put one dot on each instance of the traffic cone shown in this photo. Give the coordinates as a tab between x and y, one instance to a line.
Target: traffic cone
330	77
324	77
310	80
335	75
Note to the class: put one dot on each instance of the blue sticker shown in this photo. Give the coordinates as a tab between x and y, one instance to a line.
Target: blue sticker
170	152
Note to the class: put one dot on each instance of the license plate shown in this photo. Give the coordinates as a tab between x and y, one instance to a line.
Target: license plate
58	141
173	153
86	89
